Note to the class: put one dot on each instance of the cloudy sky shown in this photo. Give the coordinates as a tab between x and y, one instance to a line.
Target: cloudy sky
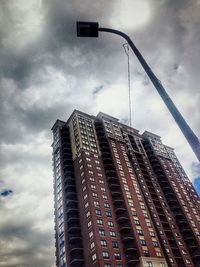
46	72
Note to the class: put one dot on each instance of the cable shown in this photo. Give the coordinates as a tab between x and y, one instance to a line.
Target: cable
126	49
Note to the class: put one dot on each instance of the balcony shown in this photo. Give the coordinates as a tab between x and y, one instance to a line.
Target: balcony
71	202
70	188
74	238
124	228
110	172
122	219
114	187
116	194
128	239
112	179
73	228
130	250
70	195
109	166
73	220
118	201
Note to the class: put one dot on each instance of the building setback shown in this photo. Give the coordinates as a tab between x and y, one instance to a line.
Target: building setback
122	199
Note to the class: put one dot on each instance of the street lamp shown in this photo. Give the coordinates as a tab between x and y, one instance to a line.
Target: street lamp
91	29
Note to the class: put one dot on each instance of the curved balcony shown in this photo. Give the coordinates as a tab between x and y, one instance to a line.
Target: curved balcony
74	229
132	262
112	179
74	238
122	219
118	201
130	250
70	188
110	172
178	215
69	181
109	166
164	184
73	220
116	194
68	172
182	224
124	228
173	202
72	212
70	195
186	232
114	187
77	262
71	202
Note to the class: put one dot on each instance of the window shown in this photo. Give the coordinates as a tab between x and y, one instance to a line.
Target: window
106	205
110	223
101	232
143	242
115	244
108	214
94	257
103	243
139	232
137	222
162	264
107	265
155	244
149	264
146	253
94	195
112	233
104	197
117	256
92	245
98	212
90	234
93	187
99	222
96	203
105	254
89	224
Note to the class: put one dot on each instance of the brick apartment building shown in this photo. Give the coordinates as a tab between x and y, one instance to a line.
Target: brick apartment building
122	198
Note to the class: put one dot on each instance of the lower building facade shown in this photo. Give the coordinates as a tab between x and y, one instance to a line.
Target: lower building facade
121	199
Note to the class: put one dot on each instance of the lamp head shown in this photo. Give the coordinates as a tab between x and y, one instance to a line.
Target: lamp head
87	29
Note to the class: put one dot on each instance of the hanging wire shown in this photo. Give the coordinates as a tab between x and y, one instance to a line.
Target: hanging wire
126	49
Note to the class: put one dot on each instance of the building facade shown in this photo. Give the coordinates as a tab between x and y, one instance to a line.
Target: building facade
121	199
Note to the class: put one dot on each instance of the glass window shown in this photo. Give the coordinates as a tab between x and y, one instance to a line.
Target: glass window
149	264
94	257
143	242
98	212
115	244
112	233
100	222
108	214
101	232
117	256
110	223
103	243
105	254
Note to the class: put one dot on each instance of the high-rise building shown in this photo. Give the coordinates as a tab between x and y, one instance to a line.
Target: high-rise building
122	199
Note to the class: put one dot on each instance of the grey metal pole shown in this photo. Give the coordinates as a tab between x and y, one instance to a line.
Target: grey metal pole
185	128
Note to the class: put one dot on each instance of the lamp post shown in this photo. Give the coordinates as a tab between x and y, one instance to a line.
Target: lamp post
91	29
